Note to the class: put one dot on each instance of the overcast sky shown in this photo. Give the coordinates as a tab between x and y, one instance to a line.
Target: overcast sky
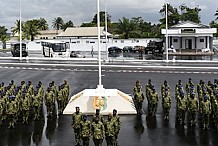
83	10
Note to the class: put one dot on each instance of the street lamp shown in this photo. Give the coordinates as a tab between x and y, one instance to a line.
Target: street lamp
166	45
106	29
20	34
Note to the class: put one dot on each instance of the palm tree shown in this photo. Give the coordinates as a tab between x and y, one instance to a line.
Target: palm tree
31	29
42	24
57	23
124	28
16	29
68	24
3	36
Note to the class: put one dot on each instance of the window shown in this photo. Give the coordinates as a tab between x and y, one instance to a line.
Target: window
122	41
92	42
87	42
175	40
78	42
201	40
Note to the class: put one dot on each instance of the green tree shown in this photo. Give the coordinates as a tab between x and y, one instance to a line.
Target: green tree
68	24
3	36
125	28
42	24
213	24
16	29
31	29
102	18
58	23
89	24
190	14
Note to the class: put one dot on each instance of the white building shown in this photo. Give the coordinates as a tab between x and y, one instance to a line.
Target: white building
190	35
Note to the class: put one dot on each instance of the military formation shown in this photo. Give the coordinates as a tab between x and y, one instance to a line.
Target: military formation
23	102
190	100
98	128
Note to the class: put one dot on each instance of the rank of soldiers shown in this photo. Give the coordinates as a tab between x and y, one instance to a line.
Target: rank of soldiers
203	100
22	102
97	129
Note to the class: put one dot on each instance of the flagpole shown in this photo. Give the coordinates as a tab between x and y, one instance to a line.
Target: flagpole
20	34
166	31
106	40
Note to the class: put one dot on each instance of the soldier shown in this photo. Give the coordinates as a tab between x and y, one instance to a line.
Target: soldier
148	92
2	108
164	87
60	100
37	105
215	109
54	89
166	103
49	102
178	89
97	114
181	108
188	85
97	129
205	110
66	85
23	86
30	89
116	119
154	102
138	100
25	108
137	84
12	111
192	109
85	130
110	128
76	120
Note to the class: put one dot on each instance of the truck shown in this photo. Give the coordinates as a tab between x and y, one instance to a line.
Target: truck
154	47
15	51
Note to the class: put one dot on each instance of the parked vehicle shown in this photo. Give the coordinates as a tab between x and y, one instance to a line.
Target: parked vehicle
114	49
15	51
77	54
138	48
127	49
154	47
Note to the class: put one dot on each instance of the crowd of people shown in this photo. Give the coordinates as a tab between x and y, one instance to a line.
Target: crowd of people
191	99
20	102
98	128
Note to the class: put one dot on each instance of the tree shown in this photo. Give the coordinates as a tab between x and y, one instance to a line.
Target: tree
124	28
190	14
16	29
213	24
58	23
3	36
31	29
68	24
102	18
42	24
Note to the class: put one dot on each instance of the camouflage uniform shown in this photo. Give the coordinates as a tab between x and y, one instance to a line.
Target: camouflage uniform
97	114
37	105
138	100
215	109
85	130
25	108
11	111
205	110
166	103
60	100
49	102
137	85
181	108
148	90
110	128
154	102
76	120
192	109
116	119
97	129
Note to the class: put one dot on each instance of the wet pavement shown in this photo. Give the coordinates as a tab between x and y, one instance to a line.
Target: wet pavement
135	131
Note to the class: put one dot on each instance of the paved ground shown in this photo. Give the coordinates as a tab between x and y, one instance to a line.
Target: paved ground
134	132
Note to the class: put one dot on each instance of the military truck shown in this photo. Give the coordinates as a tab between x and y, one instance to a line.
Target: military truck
154	47
15	51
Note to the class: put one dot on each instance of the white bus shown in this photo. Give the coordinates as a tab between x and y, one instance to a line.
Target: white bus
55	48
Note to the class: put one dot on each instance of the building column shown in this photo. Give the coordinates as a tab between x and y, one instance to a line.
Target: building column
208	42
181	42
171	41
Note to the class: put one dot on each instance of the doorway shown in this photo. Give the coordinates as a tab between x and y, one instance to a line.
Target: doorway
188	44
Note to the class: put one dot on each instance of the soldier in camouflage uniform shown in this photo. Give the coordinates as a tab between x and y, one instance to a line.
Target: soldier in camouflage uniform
181	108
164	87
67	88
37	105
205	110
85	130
153	102
2	108
215	109
12	111
116	119
136	86
110	128
192	109
49	102
166	103
25	108
138	100
97	129
60	99
99	115
148	90
76	120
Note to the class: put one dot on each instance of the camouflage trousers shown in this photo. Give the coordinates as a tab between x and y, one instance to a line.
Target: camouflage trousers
181	116
37	110
205	120
166	112
60	106
85	141
192	117
77	133
138	106
98	142
153	109
110	140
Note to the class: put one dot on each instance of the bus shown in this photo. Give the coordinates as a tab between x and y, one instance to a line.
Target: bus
55	48
15	51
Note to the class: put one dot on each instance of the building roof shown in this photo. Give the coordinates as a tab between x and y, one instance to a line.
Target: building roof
189	24
50	32
82	32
